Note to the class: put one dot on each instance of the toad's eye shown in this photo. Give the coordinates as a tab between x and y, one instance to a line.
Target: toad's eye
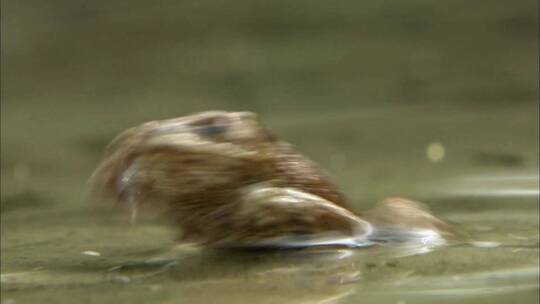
212	127
213	130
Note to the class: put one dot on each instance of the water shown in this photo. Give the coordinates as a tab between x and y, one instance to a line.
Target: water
55	247
427	104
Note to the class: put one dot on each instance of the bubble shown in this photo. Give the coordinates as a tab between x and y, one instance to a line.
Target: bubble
435	152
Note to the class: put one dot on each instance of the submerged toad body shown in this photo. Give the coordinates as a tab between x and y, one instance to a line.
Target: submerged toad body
225	180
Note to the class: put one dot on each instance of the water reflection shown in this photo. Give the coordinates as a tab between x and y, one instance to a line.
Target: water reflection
383	273
332	273
494	185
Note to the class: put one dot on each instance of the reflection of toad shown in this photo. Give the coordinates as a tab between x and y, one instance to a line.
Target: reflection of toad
227	181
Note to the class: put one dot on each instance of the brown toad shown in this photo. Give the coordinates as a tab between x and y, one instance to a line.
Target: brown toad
227	181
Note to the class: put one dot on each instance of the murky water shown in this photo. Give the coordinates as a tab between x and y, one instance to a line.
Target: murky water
55	247
408	100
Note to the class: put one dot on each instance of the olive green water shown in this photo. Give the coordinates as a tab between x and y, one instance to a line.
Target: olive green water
372	91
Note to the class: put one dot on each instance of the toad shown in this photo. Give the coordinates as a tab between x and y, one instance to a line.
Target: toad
226	181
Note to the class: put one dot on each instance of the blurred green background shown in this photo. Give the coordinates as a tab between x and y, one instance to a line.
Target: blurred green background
169	57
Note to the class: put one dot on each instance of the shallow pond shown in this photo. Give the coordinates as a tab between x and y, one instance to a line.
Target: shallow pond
436	101
55	247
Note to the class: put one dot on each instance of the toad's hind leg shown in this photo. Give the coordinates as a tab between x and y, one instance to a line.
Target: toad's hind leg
399	220
288	218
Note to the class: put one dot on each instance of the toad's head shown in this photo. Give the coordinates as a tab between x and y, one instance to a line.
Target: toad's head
165	159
